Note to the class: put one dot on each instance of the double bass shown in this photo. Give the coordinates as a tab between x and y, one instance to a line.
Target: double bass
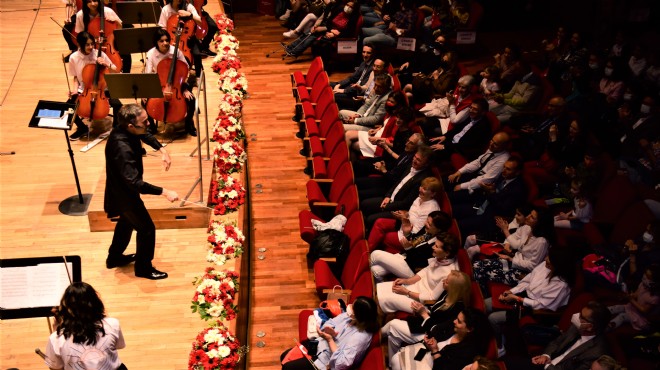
104	30
172	73
92	102
187	26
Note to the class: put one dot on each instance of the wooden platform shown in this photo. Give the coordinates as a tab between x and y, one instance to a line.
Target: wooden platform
182	176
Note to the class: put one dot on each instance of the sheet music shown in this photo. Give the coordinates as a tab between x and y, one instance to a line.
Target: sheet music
60	122
33	286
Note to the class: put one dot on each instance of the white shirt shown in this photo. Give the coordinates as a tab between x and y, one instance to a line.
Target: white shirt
430	285
541	292
108	13
583	339
78	61
488	173
531	253
154	56
409	176
418	213
62	353
168	11
465	129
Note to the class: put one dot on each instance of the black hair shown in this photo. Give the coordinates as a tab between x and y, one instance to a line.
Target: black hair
441	220
365	310
159	34
80	314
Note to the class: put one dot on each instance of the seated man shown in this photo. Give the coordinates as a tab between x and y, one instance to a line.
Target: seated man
576	348
372	112
452	110
483	170
476	212
402	194
352	97
467	139
522	98
400	24
391	167
359	77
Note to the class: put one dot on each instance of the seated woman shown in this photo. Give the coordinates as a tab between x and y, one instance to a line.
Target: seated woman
83	335
426	285
506	229
436	83
417	249
335	22
530	242
482	363
547	287
343	340
451	346
410	222
454	299
393	134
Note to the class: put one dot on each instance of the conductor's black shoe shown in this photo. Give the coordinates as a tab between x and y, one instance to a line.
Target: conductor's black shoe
208	52
122	260
151	274
79	133
191	130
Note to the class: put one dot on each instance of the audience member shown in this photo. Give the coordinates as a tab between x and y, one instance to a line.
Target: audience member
426	285
415	253
485	168
372	112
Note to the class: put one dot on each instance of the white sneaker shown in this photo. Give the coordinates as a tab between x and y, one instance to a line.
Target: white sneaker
501	351
286	15
290	34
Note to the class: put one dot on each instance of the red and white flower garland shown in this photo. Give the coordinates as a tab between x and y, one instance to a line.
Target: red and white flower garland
214	296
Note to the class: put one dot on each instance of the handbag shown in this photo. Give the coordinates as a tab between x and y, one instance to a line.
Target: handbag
333	307
490	249
338	294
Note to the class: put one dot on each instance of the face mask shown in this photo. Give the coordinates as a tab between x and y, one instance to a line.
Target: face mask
389	108
627	97
608	71
348	10
648	237
575	320
644	109
593	65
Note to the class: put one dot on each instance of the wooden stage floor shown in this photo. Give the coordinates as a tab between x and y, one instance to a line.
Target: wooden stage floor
155	316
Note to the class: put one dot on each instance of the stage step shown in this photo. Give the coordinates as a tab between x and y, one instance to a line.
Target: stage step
167	218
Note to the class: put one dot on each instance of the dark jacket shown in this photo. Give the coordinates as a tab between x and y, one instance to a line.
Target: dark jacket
408	192
473	142
579	358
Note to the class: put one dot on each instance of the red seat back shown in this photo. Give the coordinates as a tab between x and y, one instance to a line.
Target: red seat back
349	201
356	263
315	68
476	297
364	286
354	228
464	263
341	182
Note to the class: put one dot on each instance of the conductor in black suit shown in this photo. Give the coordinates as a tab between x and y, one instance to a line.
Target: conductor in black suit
402	194
124	184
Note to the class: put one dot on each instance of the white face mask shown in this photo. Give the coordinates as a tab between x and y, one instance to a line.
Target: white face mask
644	109
608	71
575	320
348	9
593	65
627	97
648	237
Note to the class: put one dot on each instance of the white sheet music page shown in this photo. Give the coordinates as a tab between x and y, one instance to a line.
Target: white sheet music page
33	286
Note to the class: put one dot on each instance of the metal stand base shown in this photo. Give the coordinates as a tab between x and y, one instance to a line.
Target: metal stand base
71	206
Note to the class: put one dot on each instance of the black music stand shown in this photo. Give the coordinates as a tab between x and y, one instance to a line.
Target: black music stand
138	12
135	40
46	288
134	85
73	205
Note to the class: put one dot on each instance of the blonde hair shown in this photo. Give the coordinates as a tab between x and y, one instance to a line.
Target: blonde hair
458	290
608	363
432	184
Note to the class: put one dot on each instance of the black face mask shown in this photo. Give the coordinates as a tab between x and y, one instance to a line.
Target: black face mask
389	109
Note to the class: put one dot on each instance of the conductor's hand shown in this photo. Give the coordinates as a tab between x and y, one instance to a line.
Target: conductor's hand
171	195
167	161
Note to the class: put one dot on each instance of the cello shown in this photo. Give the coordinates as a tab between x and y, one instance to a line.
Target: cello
99	27
172	73
187	27
200	29
92	102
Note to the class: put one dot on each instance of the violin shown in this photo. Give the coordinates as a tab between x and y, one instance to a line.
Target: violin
99	27
187	30
92	102
200	29
172	73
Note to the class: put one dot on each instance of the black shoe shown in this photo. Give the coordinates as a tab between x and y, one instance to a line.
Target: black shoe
143	151
308	171
300	135
152	274
208	52
123	260
191	130
80	132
